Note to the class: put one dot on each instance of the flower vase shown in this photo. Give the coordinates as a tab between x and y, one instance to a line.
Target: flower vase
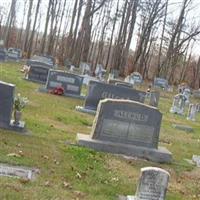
17	117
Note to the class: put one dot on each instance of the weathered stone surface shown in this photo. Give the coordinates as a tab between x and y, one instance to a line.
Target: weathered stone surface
152	185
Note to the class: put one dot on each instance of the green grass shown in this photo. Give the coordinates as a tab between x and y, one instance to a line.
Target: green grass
52	120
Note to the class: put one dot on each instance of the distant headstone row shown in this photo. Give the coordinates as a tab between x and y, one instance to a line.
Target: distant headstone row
13	54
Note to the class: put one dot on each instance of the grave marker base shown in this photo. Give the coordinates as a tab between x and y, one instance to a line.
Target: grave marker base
13	127
160	155
85	110
44	90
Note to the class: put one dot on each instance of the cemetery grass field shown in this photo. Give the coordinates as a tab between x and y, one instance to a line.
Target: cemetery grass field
70	172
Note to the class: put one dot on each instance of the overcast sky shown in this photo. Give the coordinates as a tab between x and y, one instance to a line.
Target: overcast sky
174	9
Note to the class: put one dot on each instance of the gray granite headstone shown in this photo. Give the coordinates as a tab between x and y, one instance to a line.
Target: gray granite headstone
14	54
127	127
6	102
98	91
6	107
38	73
152	185
71	83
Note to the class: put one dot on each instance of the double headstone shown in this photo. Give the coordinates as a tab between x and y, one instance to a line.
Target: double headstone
6	107
127	127
98	91
71	83
152	185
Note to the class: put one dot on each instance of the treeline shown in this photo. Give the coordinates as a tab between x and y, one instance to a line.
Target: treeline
161	34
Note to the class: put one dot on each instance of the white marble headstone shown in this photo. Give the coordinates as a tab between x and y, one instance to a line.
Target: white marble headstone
153	184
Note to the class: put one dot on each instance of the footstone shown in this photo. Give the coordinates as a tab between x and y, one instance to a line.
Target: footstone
98	91
18	172
126	127
71	83
152	185
183	127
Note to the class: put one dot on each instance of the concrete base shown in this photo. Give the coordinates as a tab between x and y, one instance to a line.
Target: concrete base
35	81
183	127
85	110
14	127
160	155
44	90
127	198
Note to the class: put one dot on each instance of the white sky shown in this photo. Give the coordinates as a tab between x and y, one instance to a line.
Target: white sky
174	9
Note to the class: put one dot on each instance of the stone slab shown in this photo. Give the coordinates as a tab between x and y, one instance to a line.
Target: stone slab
85	110
127	198
183	127
44	90
18	172
161	155
13	127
